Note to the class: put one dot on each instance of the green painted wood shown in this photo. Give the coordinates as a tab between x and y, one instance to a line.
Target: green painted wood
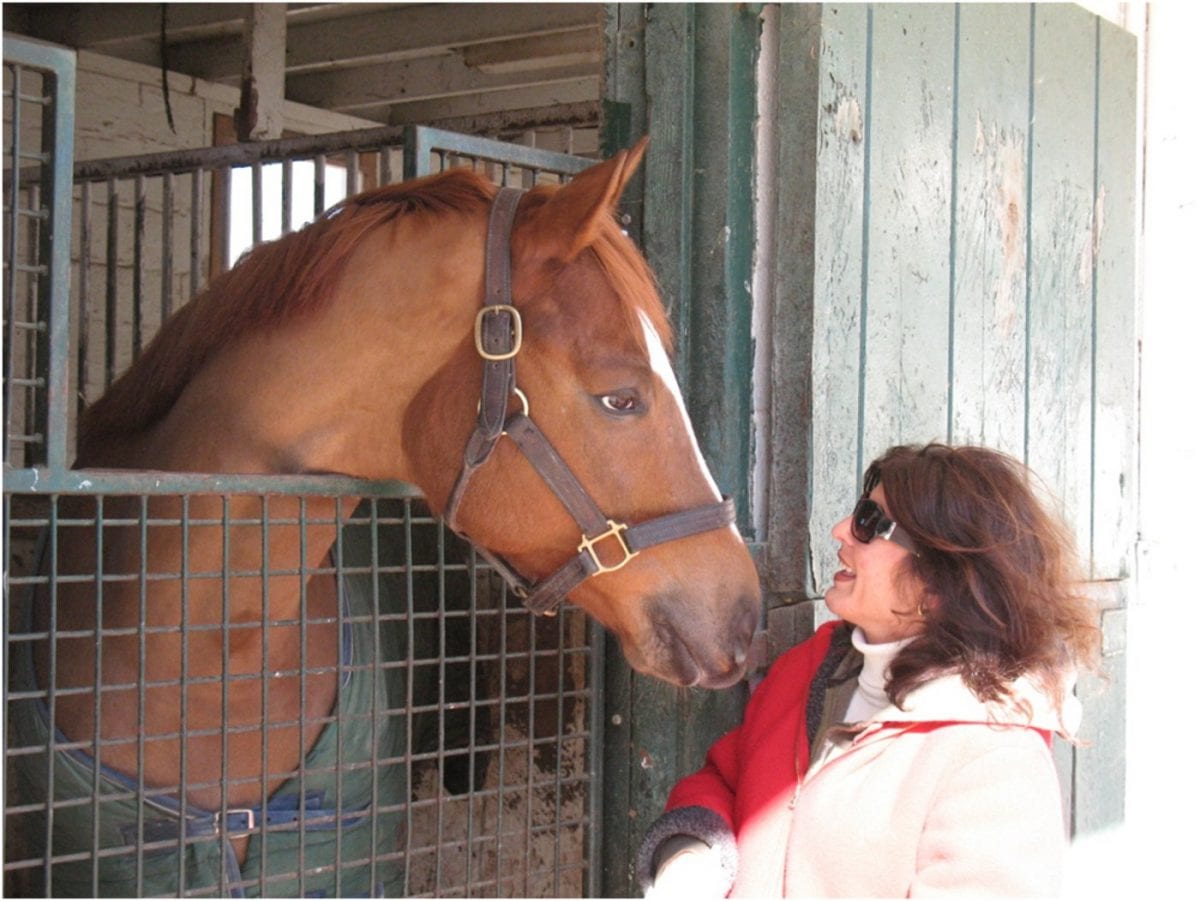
1059	299
669	87
700	95
907	289
990	211
1114	415
623	114
838	249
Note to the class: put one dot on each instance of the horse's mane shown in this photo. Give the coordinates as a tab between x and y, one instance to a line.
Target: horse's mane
269	285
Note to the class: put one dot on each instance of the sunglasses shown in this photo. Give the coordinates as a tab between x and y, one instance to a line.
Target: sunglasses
869	522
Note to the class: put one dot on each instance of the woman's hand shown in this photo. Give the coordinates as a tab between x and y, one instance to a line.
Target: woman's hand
689	869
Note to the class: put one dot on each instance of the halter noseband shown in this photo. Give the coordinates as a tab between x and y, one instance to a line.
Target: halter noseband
498	340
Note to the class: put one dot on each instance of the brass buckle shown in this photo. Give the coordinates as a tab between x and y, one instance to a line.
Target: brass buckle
516	330
614	531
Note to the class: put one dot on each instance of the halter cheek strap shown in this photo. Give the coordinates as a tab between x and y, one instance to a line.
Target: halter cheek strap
498	336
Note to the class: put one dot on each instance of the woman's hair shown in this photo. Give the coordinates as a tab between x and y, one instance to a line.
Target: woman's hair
1002	595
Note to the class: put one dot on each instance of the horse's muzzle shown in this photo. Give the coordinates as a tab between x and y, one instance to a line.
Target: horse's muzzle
692	653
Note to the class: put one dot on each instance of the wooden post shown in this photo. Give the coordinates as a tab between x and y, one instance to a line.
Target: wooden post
259	117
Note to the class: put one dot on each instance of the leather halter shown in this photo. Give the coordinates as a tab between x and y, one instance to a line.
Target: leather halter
498	338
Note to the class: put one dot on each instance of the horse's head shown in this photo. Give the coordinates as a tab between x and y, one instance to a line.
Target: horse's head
593	368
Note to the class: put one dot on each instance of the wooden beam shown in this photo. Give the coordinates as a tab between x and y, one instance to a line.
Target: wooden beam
425	79
392	34
502	125
541	96
565	48
107	28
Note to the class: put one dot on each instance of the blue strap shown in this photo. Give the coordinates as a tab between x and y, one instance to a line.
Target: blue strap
282	813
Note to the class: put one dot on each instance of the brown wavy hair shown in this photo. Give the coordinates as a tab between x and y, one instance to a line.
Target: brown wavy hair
1000	582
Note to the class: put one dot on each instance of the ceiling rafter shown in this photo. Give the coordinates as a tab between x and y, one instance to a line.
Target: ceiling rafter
384	61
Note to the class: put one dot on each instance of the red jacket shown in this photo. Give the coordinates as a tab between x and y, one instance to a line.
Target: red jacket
771	745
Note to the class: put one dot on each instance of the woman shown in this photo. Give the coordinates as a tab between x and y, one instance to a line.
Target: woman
904	749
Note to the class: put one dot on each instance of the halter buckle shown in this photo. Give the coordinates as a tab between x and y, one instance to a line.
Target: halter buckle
514	319
614	531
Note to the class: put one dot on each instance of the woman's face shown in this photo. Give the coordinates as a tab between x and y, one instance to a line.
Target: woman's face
868	590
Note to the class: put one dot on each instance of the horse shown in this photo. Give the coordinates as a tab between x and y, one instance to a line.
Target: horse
381	341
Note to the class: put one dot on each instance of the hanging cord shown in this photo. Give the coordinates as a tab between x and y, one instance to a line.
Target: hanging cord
162	55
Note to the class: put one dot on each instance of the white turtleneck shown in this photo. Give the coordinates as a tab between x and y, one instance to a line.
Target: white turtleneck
870	697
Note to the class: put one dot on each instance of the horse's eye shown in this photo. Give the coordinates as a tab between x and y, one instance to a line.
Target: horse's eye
621	402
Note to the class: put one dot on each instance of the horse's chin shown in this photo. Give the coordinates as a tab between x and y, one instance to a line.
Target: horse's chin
686	674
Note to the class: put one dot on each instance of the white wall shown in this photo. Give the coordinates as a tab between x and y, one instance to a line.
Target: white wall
1152	854
120	110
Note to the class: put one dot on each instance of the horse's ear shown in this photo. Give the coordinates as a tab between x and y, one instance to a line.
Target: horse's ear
572	218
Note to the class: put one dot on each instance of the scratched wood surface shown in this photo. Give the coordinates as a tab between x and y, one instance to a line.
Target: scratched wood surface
973	274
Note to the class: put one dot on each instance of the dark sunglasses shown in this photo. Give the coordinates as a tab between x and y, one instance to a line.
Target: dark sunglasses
870	522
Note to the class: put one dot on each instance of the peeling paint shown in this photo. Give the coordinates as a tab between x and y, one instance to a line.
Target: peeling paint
848	120
1004	162
1091	249
1098	220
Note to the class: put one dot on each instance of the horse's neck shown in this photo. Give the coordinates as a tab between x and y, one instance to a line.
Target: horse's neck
327	393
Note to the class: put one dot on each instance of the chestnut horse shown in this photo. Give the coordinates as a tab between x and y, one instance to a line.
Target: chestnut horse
352	347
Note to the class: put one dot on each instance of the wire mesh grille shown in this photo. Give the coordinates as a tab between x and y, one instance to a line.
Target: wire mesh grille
462	768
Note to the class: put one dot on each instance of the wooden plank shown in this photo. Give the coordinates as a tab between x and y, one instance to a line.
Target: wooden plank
426	79
720	346
1059	389
529	101
1097	788
789	293
906	296
669	166
837	280
988	337
1115	413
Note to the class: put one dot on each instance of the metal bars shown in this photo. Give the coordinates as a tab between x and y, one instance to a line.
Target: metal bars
39	92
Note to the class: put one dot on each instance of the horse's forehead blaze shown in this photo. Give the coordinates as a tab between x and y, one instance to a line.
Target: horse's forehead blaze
660	364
